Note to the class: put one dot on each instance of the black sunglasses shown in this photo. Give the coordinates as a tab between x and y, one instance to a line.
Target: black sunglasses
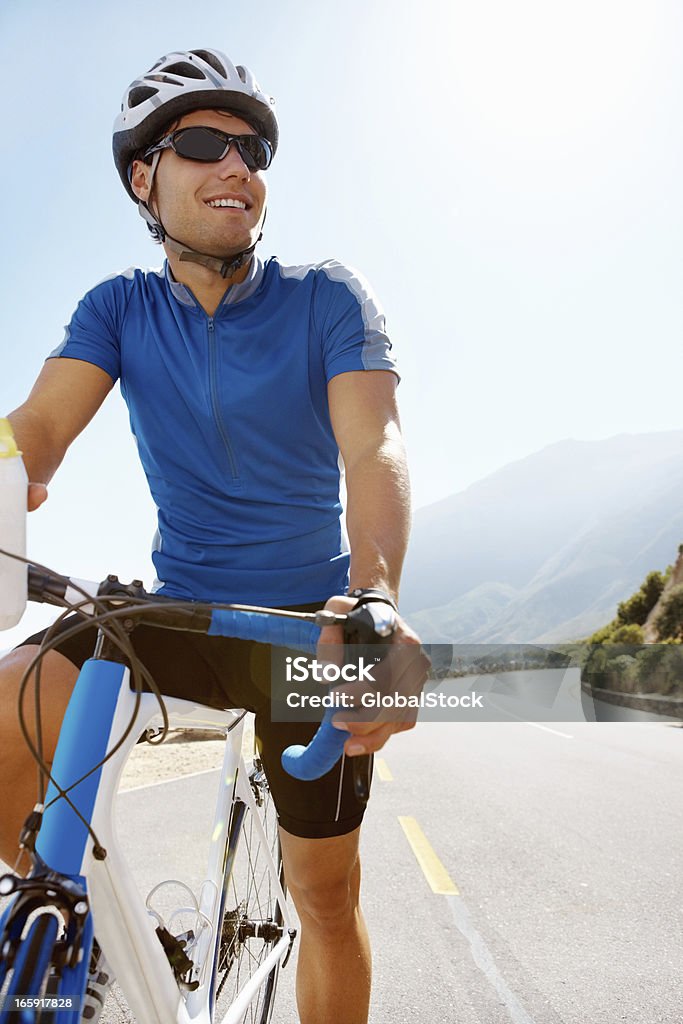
208	145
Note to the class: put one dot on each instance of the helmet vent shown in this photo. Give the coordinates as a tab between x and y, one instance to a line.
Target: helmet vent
186	70
139	94
212	60
166	79
241	72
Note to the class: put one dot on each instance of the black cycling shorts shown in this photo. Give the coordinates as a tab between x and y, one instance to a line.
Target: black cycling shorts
226	673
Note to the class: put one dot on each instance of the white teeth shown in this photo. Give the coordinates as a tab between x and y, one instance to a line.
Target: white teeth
227	202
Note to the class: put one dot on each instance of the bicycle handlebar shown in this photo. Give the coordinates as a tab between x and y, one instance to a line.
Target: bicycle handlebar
321	754
299	630
280	632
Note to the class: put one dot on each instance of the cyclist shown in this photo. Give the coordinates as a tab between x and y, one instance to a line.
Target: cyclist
245	380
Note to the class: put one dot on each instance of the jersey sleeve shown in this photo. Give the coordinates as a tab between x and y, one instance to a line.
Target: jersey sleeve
353	327
94	331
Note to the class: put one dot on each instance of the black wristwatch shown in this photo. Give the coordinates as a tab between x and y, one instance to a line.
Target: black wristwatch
367	595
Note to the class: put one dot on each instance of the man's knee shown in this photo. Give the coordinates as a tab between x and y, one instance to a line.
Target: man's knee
328	906
323	876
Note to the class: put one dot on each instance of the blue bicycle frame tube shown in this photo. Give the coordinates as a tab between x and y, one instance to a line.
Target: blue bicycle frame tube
83	742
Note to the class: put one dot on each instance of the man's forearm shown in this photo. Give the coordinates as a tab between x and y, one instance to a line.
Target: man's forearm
41	453
378	516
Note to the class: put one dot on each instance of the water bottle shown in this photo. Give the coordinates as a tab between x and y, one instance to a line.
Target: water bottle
13	498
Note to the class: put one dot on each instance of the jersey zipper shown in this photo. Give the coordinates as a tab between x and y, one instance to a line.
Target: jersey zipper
215	403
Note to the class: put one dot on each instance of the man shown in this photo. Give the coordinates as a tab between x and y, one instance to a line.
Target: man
245	381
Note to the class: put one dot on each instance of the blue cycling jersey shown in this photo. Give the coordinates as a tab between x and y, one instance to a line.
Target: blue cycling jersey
232	423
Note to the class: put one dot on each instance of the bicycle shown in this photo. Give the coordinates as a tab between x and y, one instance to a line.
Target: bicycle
216	959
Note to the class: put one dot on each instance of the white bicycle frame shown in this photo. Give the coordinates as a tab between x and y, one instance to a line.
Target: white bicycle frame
124	927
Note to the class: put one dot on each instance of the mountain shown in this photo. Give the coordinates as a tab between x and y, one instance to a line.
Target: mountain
544	548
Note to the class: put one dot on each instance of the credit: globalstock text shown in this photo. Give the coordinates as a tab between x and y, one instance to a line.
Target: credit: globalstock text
384	700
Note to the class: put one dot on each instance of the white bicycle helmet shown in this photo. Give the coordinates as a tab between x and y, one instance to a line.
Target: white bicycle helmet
178	83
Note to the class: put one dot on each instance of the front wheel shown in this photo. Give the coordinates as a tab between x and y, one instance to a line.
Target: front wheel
30	973
252	918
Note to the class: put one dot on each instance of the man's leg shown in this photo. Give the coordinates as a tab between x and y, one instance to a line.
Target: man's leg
18	770
334	970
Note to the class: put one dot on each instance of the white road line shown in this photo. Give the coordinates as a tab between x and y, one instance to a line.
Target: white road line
546	728
484	960
174	778
535	725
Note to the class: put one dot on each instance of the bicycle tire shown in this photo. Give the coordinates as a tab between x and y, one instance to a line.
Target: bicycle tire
32	968
252	918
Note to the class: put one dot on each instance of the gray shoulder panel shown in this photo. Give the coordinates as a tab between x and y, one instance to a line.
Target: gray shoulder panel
128	273
376	342
298	272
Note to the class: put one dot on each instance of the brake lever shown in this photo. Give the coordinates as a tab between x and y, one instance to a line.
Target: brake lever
371	624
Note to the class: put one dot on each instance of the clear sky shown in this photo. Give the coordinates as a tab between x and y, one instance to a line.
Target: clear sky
507	176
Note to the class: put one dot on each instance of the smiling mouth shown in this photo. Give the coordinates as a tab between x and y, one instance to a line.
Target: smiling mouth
234	204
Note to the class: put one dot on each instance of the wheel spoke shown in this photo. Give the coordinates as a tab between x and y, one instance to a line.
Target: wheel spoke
252	922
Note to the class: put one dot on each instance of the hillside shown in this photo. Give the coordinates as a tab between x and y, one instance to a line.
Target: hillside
545	548
651	633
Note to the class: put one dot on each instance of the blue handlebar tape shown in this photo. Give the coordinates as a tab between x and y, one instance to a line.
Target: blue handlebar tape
325	749
321	754
266	629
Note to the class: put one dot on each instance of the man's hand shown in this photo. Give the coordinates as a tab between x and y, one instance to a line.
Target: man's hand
403	670
37	494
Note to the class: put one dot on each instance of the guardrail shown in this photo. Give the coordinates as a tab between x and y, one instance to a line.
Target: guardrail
653	703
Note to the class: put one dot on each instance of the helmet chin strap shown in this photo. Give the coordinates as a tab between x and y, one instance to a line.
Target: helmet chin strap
223	266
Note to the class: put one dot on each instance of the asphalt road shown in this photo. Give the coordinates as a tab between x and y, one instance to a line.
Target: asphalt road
556	852
562	847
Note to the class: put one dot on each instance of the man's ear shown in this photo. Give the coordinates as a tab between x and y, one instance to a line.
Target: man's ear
139	179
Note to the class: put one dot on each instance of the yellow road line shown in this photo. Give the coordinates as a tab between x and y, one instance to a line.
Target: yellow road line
383	770
434	871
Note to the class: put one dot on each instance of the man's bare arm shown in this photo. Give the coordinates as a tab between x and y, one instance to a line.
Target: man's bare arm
63	400
366	425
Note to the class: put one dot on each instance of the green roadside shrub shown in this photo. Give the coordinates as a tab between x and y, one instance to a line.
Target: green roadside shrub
636	609
669	622
631	634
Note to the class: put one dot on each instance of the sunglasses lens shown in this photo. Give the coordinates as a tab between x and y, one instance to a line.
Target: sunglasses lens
256	152
199	144
208	146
